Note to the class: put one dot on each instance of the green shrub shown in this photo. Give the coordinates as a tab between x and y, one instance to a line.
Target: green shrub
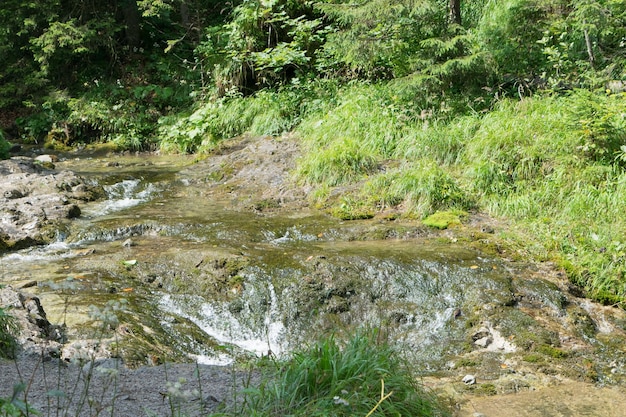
352	379
266	113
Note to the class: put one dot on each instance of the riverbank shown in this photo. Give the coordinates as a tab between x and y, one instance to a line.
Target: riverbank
519	327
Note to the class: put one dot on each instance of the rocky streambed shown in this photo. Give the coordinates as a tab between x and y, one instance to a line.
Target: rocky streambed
162	259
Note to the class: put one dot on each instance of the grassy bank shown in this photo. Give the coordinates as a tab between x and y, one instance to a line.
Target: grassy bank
552	165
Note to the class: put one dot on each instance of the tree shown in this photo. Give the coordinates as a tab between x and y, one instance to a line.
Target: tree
455	12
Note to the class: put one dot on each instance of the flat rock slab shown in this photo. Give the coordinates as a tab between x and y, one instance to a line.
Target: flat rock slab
570	398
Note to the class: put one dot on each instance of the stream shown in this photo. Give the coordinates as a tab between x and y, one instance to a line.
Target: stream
201	278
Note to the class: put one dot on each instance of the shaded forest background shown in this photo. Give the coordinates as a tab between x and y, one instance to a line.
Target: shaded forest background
515	108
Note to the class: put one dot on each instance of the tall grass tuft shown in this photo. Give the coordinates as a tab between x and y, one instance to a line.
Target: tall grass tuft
422	188
359	378
344	160
8	333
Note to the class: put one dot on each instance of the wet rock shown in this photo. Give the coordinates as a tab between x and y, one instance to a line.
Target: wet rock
483	342
12	194
36	201
36	335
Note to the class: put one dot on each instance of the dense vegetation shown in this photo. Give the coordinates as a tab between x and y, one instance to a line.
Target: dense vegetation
512	107
363	377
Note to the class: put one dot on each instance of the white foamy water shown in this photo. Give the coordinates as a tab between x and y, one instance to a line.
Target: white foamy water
55	250
120	196
219	323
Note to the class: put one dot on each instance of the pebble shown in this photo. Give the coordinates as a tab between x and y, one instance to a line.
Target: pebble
469	379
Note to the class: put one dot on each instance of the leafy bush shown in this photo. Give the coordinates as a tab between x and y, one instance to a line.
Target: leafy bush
600	122
510	30
360	378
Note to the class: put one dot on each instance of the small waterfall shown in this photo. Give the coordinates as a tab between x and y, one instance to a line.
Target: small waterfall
218	321
120	196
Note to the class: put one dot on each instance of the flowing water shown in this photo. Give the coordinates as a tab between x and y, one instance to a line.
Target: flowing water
203	280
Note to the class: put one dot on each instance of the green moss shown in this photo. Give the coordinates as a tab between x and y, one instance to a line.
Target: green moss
466	363
533	358
485	389
444	219
552	351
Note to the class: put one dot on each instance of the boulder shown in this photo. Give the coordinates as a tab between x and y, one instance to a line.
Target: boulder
34	200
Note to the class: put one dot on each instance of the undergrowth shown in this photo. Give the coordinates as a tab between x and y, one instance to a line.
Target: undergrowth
362	377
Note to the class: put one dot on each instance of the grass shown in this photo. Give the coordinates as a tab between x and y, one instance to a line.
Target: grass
552	165
8	333
359	378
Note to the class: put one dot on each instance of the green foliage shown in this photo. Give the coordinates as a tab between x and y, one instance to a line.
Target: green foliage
4	146
514	144
422	188
20	78
368	113
266	113
345	160
62	41
588	35
268	44
377	39
8	332
362	377
439	140
14	407
600	120
509	31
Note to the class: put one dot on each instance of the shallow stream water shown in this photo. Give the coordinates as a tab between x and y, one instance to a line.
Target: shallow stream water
204	279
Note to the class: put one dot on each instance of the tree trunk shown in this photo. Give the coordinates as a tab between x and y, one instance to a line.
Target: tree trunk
455	11
184	14
592	58
132	20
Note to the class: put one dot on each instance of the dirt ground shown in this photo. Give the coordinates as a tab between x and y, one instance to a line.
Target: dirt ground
107	388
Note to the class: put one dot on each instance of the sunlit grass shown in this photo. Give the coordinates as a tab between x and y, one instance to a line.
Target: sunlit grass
362	377
534	161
